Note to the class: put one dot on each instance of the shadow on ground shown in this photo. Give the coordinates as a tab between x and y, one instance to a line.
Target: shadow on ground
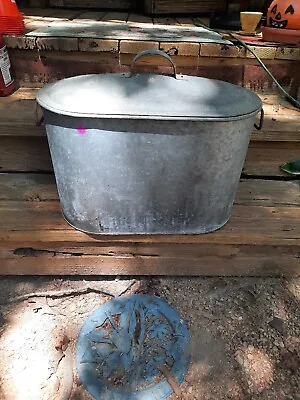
245	334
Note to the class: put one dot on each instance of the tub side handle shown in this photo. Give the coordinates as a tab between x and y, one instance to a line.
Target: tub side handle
261	120
154	52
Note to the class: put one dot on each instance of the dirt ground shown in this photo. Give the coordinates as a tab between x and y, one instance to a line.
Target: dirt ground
245	334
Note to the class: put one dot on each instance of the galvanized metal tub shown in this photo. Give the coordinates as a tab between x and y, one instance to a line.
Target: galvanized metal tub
147	153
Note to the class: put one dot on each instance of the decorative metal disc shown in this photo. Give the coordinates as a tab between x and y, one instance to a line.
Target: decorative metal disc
122	345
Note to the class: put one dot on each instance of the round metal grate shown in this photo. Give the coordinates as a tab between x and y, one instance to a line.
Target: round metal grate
122	345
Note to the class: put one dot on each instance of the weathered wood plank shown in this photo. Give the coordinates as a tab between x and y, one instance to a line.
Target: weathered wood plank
32	154
187	6
265	159
185	21
21	130
272	261
39	12
10	129
165	21
37	187
88	15
140	19
29	222
262	192
284	136
124	4
28	187
66	14
38	3
18	111
34	239
35	18
274	105
119	17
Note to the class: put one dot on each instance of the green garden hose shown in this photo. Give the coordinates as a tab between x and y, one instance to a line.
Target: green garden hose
295	102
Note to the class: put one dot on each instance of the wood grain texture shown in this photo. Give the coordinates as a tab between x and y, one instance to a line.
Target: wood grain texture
28	187
271	261
32	154
134	18
27	222
115	17
185	21
125	4
165	21
260	238
181	7
277	143
88	15
25	154
18	114
265	159
37	187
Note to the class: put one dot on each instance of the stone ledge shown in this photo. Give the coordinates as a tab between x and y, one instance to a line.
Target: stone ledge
125	46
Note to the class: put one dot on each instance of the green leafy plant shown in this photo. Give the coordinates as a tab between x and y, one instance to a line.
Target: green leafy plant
292	167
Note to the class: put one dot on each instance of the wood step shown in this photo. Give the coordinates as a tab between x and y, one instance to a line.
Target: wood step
31	154
24	146
19	116
261	238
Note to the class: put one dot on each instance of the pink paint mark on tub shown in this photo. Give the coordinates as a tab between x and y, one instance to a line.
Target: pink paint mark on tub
81	130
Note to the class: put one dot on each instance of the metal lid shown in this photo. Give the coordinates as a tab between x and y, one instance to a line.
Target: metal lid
148	96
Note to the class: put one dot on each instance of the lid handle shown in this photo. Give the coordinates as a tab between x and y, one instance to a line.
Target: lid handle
154	52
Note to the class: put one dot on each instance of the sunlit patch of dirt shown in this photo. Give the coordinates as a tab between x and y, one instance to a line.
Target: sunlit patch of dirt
257	368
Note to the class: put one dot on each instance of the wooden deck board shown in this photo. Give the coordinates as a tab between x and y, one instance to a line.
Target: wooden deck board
277	143
261	238
247	226
47	262
88	15
140	19
113	16
18	116
32	155
41	187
